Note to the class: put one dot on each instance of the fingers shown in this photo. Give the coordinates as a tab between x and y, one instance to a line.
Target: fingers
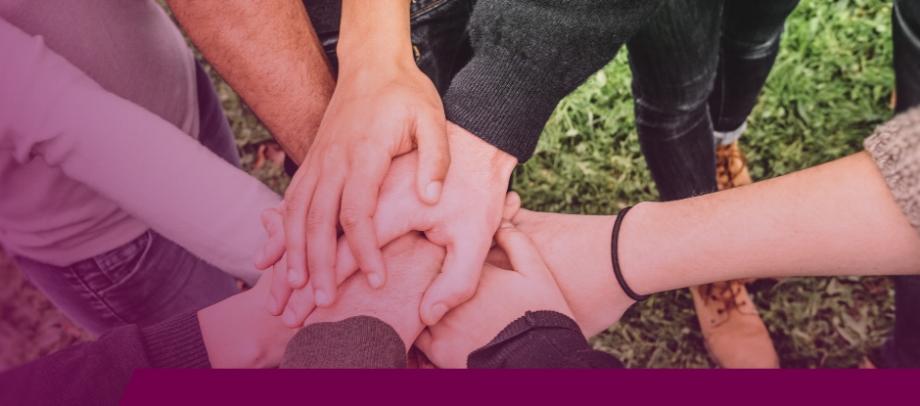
322	218
280	290
359	204
434	156
424	341
512	206
299	306
297	199
521	251
273	223
458	281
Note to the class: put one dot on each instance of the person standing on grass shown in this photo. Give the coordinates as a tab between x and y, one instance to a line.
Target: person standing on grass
121	197
698	68
902	348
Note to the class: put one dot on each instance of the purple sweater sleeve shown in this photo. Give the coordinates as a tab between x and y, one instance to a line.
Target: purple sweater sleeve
98	372
51	110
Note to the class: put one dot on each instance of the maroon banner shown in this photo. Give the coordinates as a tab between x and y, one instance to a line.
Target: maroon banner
522	387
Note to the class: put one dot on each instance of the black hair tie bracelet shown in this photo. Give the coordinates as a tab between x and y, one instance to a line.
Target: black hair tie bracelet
614	256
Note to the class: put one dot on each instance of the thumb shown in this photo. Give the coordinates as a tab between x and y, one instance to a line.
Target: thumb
520	249
434	156
273	249
458	281
512	206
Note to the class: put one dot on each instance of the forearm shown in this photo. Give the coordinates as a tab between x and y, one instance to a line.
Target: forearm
835	219
270	54
375	35
117	148
527	56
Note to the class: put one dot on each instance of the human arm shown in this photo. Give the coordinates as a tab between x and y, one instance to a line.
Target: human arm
229	334
383	106
52	111
270	54
839	218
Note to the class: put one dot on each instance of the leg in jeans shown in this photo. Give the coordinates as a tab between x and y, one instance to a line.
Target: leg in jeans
751	33
902	350
151	278
674	60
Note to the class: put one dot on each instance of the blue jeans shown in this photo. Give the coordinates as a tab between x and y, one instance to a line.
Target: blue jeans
902	350
699	66
149	279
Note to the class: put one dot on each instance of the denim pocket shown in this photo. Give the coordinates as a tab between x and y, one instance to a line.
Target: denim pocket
107	270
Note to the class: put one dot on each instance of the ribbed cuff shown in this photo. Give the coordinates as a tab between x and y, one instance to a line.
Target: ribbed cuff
496	351
895	147
504	101
176	343
356	342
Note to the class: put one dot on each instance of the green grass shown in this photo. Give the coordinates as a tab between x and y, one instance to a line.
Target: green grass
830	87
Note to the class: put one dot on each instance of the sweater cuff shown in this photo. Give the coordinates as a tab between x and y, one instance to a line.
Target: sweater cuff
498	350
176	343
505	102
895	148
356	342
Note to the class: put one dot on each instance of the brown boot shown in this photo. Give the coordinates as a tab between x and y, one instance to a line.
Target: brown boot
733	331
731	167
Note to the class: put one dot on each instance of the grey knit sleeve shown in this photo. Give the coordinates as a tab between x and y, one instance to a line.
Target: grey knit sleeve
895	147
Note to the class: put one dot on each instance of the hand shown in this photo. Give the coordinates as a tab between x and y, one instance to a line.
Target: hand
237	334
503	296
374	115
413	264
463	221
576	249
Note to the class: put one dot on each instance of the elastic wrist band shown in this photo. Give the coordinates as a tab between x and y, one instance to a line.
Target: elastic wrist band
614	256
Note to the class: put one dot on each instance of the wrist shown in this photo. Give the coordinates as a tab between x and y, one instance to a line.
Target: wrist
489	158
374	34
238	333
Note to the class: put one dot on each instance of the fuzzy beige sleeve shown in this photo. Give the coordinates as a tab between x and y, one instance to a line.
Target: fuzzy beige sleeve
895	147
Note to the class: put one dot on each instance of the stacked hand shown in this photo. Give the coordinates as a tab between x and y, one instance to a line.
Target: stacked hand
463	222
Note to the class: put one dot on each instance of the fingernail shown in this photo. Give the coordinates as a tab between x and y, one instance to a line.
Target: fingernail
321	298
376	280
433	190
437	312
294	278
288	318
506	224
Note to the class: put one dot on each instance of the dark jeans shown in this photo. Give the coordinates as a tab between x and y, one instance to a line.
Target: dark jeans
903	348
698	66
150	279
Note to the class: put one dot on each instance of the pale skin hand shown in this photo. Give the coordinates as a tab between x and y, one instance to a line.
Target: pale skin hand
413	263
382	107
834	219
504	295
238	334
463	222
